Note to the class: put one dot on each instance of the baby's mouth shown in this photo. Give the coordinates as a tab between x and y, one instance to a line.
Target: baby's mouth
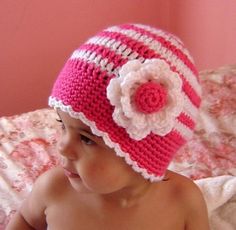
70	174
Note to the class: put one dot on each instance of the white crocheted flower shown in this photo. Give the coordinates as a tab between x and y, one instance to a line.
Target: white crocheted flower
147	98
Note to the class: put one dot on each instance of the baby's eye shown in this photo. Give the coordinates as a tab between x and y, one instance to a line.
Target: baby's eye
86	140
62	125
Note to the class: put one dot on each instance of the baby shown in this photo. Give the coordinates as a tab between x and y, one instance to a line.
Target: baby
127	100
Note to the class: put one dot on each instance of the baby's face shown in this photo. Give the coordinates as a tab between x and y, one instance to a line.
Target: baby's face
90	165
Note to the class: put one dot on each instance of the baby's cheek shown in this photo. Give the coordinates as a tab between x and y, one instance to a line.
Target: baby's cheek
98	169
101	173
91	167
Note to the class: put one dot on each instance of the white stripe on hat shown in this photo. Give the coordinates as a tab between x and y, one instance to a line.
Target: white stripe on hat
172	39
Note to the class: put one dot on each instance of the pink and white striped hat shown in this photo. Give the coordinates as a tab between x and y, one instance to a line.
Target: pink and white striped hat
137	87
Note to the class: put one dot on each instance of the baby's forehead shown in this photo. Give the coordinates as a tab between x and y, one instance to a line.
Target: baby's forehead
77	125
71	121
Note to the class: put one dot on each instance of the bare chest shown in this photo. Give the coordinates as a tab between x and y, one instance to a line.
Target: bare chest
71	217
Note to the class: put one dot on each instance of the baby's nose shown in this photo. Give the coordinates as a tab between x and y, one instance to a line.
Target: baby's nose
66	148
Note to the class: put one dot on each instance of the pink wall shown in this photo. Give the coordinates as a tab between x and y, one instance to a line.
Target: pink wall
208	28
37	37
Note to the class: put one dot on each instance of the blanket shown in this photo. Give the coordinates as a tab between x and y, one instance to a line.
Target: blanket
220	195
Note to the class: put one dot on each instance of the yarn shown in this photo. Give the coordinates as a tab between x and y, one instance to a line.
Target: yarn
150	97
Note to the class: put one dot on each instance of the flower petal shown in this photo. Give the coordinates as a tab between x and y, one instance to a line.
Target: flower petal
133	65
122	94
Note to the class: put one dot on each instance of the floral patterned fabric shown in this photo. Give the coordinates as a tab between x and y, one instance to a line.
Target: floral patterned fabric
28	142
27	149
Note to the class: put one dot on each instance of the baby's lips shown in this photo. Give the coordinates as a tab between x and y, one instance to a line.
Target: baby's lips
71	174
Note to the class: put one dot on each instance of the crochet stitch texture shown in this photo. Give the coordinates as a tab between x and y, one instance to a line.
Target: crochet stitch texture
142	120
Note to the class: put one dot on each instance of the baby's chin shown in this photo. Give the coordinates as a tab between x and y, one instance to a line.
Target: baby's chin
78	185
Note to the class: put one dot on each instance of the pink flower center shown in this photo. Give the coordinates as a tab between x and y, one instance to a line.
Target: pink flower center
150	97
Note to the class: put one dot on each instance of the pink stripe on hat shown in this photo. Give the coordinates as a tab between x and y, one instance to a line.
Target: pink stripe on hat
186	120
116	59
164	43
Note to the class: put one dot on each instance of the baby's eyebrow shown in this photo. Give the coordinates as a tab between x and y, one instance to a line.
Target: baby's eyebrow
87	131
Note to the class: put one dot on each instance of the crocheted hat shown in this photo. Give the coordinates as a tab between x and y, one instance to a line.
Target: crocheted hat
137	87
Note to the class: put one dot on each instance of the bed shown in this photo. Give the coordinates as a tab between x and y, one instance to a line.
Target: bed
28	148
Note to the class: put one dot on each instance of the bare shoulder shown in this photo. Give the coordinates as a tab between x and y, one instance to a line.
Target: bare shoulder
191	199
183	189
50	184
181	183
53	180
45	191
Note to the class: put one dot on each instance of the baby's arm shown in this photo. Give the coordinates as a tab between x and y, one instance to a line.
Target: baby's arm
196	210
31	214
18	222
